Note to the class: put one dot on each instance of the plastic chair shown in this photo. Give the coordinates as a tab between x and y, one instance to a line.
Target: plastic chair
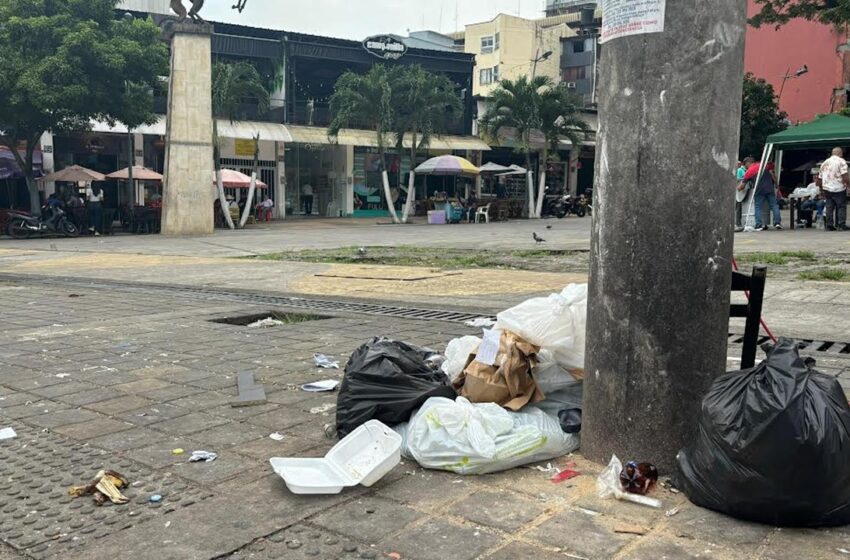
483	211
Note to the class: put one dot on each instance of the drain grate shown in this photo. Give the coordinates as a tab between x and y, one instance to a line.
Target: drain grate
840	349
215	294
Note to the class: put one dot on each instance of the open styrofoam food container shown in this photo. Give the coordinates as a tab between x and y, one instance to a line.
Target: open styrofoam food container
363	457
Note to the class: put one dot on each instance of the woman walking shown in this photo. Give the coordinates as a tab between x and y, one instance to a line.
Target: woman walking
94	194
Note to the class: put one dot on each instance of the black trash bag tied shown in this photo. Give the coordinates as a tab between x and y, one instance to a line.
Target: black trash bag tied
388	380
773	445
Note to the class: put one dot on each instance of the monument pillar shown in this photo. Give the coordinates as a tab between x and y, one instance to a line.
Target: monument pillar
188	197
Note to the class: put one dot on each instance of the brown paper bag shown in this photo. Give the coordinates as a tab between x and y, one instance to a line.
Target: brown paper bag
508	382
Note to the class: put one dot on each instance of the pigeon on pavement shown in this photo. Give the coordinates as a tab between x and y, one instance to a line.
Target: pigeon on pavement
537	238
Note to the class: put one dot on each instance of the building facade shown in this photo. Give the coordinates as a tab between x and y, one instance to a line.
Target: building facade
778	54
294	149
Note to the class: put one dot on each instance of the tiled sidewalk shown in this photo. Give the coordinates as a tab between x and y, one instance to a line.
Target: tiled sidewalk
101	379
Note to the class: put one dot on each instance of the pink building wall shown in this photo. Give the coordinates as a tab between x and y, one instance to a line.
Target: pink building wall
771	53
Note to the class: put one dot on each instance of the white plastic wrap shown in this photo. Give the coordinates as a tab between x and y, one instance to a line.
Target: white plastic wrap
556	323
467	438
457	354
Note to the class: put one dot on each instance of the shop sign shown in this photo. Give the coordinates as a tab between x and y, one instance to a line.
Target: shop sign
385	47
245	147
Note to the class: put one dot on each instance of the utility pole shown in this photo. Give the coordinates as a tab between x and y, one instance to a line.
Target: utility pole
661	249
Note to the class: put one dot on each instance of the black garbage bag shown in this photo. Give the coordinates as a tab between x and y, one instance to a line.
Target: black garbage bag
387	380
773	445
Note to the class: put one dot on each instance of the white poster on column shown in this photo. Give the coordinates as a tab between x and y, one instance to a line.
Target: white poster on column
621	18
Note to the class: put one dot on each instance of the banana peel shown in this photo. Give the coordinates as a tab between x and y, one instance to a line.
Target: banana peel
107	485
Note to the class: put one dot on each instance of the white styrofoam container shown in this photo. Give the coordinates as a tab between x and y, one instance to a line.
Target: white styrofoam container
363	457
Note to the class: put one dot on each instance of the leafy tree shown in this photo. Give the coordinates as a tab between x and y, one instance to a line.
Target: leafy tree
367	100
559	118
66	62
760	115
232	85
780	12
528	105
422	103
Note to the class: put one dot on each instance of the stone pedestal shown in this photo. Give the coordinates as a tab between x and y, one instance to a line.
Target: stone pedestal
188	197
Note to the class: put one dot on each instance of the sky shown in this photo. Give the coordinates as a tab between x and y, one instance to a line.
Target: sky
358	19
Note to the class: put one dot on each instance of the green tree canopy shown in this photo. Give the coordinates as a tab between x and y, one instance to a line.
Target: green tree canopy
780	12
66	62
760	116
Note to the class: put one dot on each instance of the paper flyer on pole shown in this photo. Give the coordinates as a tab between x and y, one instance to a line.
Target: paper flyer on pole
621	18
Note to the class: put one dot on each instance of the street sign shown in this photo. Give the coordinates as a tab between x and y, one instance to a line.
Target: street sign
385	47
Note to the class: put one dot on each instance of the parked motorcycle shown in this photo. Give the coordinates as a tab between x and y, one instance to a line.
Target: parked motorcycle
561	206
56	222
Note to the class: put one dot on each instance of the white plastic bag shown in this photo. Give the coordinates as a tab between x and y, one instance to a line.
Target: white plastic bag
457	354
557	323
550	376
467	438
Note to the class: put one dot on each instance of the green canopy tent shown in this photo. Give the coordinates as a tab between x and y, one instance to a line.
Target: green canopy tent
825	132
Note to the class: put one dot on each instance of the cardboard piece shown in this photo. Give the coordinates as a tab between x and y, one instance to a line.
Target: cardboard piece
508	382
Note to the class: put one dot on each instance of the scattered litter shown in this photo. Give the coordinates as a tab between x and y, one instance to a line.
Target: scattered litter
363	457
608	486
155	499
142	414
177	451
667	484
266	323
672	512
589	512
638	478
324	386
203	457
7	433
63	375
277	436
843	551
480	322
326	362
394	555
548	469
322	409
106	485
250	393
630	530
565	475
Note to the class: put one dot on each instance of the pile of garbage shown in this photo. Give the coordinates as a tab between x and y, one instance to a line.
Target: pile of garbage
492	403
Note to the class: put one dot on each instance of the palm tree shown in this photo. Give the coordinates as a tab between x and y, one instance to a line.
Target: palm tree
514	104
366	100
423	101
232	84
559	118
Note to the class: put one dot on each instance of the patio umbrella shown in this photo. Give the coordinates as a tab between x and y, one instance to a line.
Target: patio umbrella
233	179
74	174
514	170
139	174
447	165
493	168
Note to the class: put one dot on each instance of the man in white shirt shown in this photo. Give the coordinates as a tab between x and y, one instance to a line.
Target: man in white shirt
834	182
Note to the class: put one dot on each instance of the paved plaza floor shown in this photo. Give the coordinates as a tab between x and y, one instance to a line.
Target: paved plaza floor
110	357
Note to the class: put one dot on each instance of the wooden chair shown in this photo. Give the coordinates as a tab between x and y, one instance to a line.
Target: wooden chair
754	284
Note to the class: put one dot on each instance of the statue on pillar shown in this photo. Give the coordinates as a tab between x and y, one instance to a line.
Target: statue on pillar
178	8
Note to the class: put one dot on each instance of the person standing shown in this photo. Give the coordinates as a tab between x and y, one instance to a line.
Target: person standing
834	183
94	194
307	198
739	205
766	192
265	213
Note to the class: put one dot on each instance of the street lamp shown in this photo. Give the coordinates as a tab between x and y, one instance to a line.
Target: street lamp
801	71
541	58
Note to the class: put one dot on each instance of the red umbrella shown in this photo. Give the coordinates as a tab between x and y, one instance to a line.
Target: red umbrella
233	179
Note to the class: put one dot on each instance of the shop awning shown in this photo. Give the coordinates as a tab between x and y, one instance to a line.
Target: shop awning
242	130
828	131
368	139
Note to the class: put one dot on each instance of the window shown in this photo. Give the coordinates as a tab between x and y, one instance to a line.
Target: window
496	77
497	40
576	73
578	46
485	77
487	44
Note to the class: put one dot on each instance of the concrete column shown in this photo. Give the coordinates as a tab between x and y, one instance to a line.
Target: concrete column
662	240
572	171
280	196
48	163
187	207
349	181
